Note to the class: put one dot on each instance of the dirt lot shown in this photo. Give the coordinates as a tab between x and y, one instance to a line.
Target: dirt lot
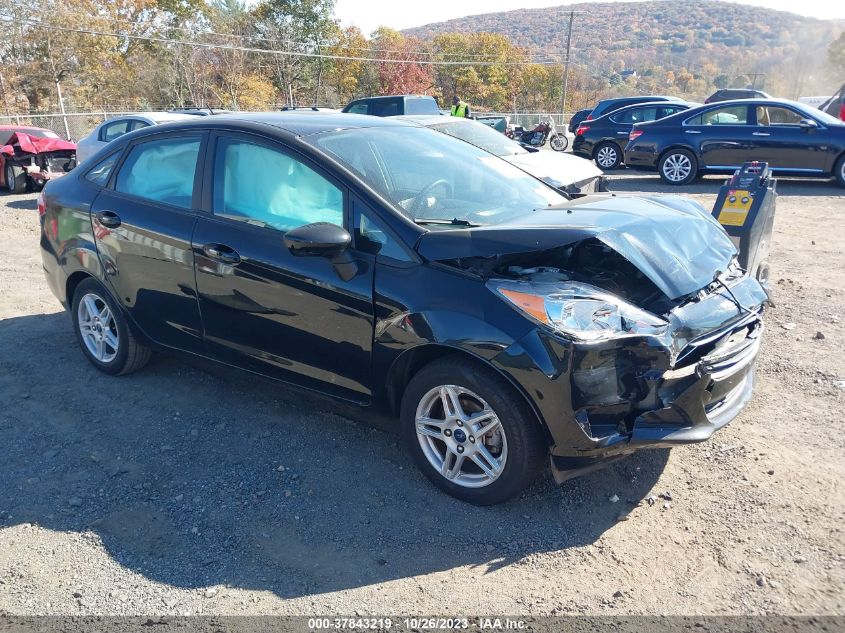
179	490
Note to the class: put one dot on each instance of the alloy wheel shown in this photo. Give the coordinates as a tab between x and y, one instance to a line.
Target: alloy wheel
98	328
461	436
677	167
606	156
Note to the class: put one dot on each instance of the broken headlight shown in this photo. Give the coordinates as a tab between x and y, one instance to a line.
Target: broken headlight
579	310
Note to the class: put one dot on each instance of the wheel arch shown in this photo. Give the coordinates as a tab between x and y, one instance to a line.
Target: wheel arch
413	360
678	145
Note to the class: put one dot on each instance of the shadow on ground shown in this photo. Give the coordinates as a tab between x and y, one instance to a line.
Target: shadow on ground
27	204
626	180
177	470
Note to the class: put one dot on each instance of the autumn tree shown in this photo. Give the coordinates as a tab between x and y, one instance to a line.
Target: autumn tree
402	74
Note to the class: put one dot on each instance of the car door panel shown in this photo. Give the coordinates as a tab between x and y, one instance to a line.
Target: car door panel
285	316
784	145
145	248
723	139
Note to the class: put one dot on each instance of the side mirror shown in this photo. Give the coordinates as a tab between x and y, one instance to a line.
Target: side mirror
320	239
808	124
323	239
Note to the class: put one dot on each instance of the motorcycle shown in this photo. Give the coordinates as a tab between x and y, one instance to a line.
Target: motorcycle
544	131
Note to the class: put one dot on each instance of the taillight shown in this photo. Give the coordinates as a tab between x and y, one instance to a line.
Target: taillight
589	117
581	129
42	204
633	135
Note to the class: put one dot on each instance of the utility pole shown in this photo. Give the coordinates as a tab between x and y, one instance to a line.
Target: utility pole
566	68
754	78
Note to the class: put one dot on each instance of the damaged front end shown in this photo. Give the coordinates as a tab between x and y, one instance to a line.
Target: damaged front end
643	370
628	356
39	159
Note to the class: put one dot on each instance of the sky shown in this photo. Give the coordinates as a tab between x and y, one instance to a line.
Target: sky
402	14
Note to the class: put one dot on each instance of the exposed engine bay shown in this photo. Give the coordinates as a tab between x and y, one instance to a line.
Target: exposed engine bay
589	261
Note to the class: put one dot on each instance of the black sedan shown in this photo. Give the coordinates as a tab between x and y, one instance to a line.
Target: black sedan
793	138
604	139
407	271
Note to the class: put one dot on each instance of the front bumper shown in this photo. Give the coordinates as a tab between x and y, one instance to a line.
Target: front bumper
603	400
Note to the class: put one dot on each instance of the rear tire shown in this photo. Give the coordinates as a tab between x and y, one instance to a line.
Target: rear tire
608	156
839	171
492	443
102	332
678	167
15	179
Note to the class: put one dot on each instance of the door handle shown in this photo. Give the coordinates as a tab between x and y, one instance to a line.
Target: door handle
693	131
108	219
222	253
623	133
760	134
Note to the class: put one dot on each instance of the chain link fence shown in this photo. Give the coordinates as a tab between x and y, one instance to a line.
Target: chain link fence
71	126
74	126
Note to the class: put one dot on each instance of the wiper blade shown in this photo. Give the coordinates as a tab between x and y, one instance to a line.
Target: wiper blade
452	222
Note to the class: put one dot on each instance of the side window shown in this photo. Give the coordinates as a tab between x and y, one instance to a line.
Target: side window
371	237
667	110
113	130
266	187
99	174
358	108
161	170
636	115
386	107
767	115
732	115
137	125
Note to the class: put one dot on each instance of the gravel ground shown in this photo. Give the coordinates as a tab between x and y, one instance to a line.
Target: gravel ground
181	490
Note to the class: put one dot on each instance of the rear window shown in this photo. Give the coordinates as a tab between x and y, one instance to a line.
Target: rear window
421	106
386	108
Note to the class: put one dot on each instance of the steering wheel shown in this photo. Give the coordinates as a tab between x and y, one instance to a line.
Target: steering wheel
419	199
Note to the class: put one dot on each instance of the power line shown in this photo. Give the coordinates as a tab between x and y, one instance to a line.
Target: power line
249	49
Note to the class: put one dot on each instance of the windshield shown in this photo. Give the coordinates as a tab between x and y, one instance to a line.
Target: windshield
819	115
482	136
431	176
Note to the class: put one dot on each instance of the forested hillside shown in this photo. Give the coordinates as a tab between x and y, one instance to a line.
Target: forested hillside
723	42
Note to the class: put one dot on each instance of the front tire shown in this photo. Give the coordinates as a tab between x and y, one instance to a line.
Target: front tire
15	179
678	167
608	156
839	171
559	143
470	431
102	332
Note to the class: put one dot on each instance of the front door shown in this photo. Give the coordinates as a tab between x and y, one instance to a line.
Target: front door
143	224
781	141
722	134
263	308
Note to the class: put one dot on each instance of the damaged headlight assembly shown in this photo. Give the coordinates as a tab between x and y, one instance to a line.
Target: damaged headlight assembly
578	310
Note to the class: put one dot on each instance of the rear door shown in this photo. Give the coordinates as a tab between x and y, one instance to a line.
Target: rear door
263	308
143	224
723	136
781	141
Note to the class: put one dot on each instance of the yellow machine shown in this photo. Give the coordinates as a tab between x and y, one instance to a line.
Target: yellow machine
745	207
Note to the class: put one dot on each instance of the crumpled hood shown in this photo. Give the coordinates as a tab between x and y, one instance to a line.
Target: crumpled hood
35	144
555	168
674	242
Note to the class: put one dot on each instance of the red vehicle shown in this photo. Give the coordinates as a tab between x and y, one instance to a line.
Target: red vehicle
30	156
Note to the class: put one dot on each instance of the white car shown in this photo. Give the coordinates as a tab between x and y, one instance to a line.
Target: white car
113	128
566	172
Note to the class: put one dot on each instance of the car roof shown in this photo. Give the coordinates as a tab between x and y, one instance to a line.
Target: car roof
392	97
297	122
157	117
655	97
